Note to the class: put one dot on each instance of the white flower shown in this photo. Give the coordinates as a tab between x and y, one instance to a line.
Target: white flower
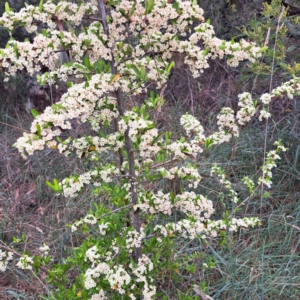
102	228
266	98
45	249
25	262
90	219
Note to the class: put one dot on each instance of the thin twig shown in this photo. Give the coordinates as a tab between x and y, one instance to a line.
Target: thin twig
14	127
270	89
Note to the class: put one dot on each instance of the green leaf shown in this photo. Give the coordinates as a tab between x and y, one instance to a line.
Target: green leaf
55	186
168	136
170	66
248	48
34	112
39	131
59	139
136	71
44	32
7	8
208	143
88	77
132	9
283	65
41	6
80	66
57	8
149	5
291	48
143	73
87	63
52	186
57	106
16	50
263	49
205	51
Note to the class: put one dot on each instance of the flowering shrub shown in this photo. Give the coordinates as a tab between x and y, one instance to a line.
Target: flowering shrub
126	46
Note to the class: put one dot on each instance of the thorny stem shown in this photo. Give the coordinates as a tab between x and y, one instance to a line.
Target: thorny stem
135	218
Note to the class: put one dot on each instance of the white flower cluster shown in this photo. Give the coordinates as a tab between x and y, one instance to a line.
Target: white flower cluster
149	26
227	126
196	206
19	55
100	296
250	183
79	102
182	150
217	170
45	249
142	129
192	126
190	174
220	137
92	255
231	225
116	276
247	110
290	88
226	121
155	203
272	156
264	114
93	145
135	123
134	239
266	98
92	273
235	224
89	219
144	266
102	228
5	257
73	185
146	146
192	229
185	228
236	51
25	262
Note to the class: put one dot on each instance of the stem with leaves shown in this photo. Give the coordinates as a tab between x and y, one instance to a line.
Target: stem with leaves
135	218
